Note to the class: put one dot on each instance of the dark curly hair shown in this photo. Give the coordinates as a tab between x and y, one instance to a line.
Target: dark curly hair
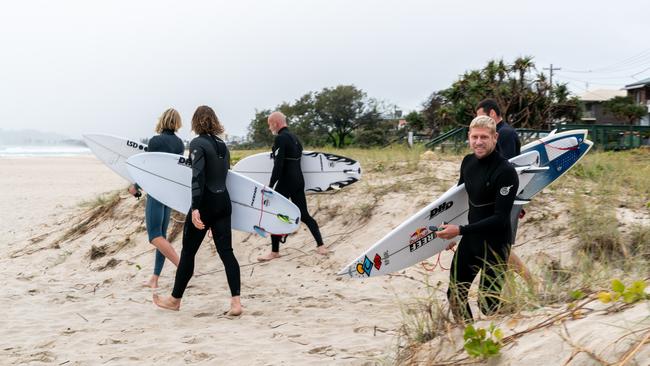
205	121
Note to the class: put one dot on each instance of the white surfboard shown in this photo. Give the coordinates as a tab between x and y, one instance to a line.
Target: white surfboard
113	151
255	208
413	241
322	171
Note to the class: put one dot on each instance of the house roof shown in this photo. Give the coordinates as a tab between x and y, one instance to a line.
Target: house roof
601	95
638	84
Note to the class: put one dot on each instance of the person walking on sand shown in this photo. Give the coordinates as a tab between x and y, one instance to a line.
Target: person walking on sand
156	214
491	183
211	209
287	174
509	146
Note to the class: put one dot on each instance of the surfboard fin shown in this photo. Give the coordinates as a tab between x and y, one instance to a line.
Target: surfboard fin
284	218
259	231
535	169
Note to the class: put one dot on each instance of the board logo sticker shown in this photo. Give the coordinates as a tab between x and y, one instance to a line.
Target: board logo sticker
254	195
135	145
184	161
420	238
367	265
505	190
442	208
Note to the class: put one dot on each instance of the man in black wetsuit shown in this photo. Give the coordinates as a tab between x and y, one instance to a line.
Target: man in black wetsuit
509	146
287	173
491	184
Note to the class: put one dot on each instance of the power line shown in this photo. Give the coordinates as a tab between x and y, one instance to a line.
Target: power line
639	60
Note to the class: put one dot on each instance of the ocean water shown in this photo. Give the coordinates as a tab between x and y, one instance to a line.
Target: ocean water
42	151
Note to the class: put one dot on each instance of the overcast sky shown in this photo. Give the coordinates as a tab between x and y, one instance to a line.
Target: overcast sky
113	66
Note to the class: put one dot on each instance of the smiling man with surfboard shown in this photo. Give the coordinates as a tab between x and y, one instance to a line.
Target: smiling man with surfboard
509	146
491	183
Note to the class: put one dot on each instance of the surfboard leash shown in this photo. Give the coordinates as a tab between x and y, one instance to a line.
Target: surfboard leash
437	264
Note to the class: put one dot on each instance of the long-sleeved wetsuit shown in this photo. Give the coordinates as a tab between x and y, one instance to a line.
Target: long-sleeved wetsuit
491	184
210	163
287	173
157	214
509	146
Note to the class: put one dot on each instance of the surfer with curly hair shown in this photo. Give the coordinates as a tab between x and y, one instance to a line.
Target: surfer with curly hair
211	209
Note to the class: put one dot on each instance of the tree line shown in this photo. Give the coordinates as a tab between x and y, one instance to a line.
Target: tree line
345	115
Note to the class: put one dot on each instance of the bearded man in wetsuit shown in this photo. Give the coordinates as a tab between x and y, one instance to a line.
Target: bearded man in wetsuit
287	173
491	183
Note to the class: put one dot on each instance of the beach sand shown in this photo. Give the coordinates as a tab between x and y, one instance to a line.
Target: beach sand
79	300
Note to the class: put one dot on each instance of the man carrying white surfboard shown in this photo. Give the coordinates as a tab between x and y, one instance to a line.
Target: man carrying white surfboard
491	184
509	146
287	173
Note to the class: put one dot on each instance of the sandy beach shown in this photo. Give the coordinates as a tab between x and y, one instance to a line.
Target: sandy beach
77	298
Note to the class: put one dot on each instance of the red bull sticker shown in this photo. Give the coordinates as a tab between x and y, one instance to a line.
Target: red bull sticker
420	238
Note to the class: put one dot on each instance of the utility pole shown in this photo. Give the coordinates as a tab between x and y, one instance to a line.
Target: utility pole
551	69
550	90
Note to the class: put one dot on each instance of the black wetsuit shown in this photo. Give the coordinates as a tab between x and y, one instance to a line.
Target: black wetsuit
491	184
508	143
287	152
509	146
210	163
166	141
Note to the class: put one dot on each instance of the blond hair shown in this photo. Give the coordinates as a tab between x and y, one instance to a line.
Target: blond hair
169	120
484	122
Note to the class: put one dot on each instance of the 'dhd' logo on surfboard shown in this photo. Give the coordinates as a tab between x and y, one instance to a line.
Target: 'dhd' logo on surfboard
440	209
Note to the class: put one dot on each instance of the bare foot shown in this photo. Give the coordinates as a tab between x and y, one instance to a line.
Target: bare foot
269	257
153	282
169	303
235	307
322	250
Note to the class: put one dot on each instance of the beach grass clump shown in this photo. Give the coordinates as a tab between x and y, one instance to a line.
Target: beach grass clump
596	227
423	318
99	209
639	239
628	171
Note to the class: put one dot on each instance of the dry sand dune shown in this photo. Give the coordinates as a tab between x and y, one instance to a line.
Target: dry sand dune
76	298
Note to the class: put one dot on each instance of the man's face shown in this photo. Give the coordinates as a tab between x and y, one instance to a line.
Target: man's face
271	126
482	141
481	112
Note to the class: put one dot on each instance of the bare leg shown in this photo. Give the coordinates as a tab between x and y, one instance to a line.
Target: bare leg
516	264
169	302
153	282
166	249
235	306
268	257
